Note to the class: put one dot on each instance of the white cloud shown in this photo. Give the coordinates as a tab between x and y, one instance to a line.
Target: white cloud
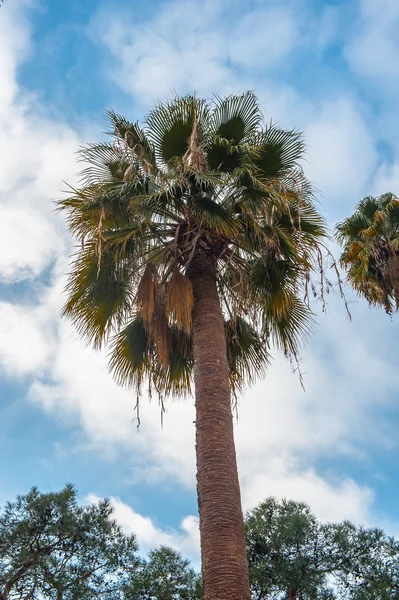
24	346
333	500
273	33
373	50
188	49
387	177
37	153
149	536
13	49
341	154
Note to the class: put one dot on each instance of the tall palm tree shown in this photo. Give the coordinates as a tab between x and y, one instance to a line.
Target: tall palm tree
197	233
370	250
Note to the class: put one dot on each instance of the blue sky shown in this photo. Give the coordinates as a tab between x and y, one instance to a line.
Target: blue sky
328	68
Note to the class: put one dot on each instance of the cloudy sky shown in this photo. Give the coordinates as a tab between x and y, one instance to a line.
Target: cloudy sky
328	68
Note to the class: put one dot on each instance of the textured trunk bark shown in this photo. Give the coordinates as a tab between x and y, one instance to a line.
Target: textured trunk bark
224	561
291	594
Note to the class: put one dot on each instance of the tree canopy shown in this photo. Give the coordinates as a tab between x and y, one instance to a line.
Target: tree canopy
164	575
51	547
293	555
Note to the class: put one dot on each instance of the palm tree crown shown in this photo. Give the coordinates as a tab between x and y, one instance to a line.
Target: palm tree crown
198	175
370	242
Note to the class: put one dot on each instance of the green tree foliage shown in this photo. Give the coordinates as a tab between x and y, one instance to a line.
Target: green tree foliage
50	547
164	575
375	573
292	555
370	250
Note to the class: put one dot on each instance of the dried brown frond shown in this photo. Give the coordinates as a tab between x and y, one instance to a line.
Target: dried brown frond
180	300
194	158
146	293
159	331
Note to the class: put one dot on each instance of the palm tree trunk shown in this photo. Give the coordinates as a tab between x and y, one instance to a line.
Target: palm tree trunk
224	561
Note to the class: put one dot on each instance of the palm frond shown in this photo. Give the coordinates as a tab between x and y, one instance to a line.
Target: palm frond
237	117
370	242
108	163
211	214
224	156
99	298
291	328
247	353
170	125
279	151
135	139
130	356
147	293
179	300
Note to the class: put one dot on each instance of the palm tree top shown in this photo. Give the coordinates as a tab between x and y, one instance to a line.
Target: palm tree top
199	178
370	243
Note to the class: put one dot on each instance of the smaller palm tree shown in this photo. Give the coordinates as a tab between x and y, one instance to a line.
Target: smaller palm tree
370	250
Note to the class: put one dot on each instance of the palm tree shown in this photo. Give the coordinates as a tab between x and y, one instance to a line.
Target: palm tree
197	234
370	250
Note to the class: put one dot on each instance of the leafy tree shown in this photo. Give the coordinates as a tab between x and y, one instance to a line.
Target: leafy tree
165	575
375	574
197	236
287	551
52	548
292	555
370	250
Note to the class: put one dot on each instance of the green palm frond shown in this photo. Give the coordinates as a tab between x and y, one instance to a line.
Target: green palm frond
224	156
279	151
247	352
291	328
131	355
212	215
100	295
142	152
236	118
108	164
170	125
